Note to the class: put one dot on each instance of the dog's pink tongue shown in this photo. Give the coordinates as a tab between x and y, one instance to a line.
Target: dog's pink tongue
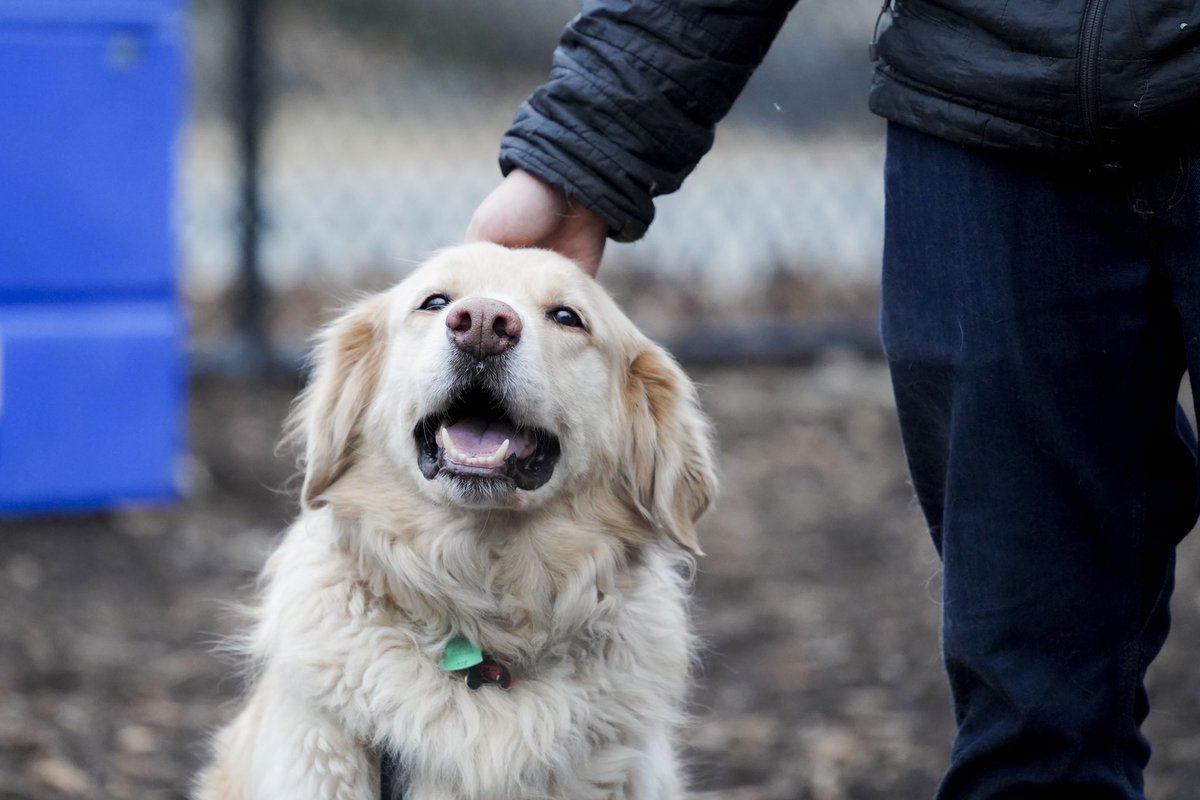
481	437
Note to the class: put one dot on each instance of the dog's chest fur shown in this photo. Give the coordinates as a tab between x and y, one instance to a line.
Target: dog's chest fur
597	653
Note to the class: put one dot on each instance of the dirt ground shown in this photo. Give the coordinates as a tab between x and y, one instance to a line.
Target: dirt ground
818	601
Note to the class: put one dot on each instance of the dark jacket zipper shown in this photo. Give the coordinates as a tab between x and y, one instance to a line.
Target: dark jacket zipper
1089	65
873	47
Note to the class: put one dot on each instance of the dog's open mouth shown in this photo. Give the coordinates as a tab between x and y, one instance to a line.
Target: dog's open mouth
476	440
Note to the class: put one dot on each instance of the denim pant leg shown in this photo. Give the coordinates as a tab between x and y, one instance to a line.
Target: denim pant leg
1036	355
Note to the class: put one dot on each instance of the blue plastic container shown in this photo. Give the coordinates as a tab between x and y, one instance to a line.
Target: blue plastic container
91	328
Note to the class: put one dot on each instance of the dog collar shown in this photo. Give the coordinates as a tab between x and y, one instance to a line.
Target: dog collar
463	656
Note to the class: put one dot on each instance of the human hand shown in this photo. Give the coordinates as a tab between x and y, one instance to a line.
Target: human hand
524	211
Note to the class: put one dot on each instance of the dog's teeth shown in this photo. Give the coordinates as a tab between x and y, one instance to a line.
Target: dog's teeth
453	451
501	452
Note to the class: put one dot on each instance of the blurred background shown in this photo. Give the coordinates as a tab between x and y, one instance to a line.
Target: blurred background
377	131
265	160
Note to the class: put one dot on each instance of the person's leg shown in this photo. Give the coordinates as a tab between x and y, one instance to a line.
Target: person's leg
1036	357
1176	222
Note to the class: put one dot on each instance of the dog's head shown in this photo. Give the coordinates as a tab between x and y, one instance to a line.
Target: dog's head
504	379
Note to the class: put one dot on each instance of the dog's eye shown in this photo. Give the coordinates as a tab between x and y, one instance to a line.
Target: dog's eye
435	302
566	317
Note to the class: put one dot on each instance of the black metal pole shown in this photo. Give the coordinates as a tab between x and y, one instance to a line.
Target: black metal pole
249	116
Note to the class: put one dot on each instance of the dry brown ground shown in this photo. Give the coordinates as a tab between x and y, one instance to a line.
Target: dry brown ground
818	601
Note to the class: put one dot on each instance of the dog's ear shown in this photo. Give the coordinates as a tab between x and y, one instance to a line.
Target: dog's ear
669	455
347	361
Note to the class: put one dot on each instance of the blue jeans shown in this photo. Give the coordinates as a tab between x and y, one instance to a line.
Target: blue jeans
1038	319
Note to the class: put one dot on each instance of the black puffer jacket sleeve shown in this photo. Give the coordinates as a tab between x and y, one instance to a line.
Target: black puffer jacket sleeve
634	93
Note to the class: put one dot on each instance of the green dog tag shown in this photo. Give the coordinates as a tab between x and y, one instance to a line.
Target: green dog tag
460	654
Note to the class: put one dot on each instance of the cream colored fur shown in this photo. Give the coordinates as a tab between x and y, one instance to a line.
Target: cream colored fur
582	582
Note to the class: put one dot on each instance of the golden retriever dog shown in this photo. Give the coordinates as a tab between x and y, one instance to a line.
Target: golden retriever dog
488	579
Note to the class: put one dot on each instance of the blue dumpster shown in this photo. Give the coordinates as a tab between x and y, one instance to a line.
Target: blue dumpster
91	327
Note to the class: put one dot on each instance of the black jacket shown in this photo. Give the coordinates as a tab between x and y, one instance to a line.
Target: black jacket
1073	78
637	86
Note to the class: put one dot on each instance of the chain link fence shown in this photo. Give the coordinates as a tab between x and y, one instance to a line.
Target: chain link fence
375	127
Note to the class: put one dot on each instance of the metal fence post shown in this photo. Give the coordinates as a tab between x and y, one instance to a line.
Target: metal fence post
248	99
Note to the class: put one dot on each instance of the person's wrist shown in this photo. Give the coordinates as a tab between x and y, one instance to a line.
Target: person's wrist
525	211
520	210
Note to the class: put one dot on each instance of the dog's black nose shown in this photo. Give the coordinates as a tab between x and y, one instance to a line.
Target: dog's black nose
483	327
